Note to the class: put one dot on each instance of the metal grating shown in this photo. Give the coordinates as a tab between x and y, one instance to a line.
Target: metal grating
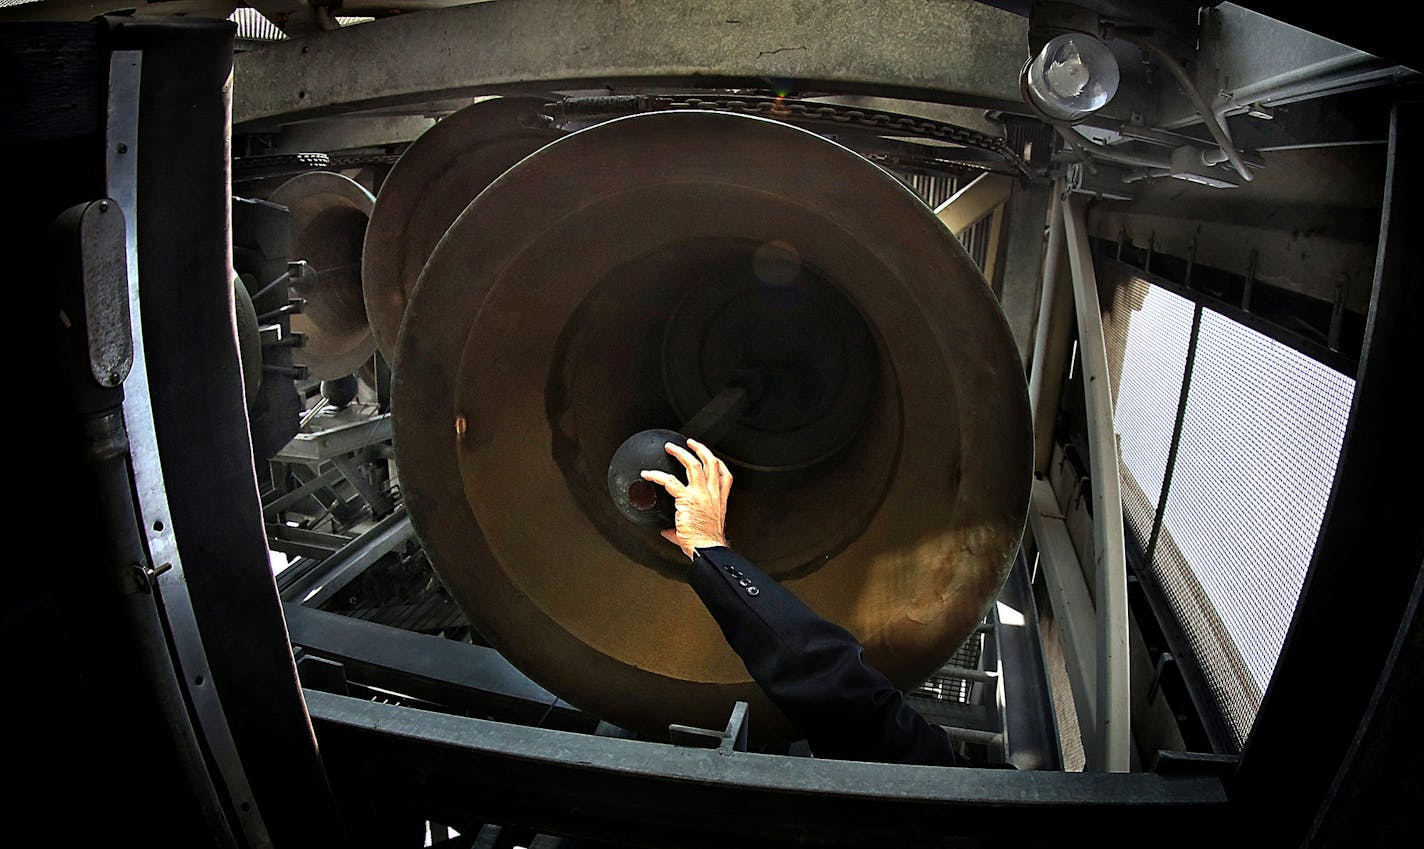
1260	436
948	688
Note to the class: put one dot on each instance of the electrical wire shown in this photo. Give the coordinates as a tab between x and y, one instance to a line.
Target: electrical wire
1208	115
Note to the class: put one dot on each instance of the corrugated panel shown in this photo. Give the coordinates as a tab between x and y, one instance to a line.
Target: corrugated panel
933	189
252	26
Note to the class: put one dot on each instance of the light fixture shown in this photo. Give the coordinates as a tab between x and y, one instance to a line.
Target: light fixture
1073	76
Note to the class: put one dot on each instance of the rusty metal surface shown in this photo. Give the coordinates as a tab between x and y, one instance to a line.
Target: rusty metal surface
329	217
431	184
533	346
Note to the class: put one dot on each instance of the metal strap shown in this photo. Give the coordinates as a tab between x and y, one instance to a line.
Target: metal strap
125	74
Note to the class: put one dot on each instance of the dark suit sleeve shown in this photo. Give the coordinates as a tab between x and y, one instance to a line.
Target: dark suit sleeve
812	669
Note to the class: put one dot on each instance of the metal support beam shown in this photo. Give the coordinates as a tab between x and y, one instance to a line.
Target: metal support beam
1113	701
338	440
454	769
1023	259
971	204
435	669
351	562
1073	611
286	500
1026	696
895	48
1051	338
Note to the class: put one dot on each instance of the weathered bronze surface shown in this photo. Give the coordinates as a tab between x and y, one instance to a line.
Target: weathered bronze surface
430	185
329	217
537	340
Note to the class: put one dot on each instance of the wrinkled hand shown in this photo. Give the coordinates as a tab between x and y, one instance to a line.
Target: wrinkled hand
700	505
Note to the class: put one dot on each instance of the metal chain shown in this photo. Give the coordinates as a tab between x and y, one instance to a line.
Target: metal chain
884	122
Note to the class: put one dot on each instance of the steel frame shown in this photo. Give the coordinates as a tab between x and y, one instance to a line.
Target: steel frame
460	770
890	48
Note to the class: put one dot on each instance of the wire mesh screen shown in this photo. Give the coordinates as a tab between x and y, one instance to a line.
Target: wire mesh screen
1260	437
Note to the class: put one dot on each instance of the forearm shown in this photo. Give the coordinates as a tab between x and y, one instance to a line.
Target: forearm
812	669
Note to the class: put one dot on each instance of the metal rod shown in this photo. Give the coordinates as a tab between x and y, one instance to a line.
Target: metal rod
1176	436
1184	81
1049	340
292	307
280	279
1114	704
967	674
709	424
287	499
321	404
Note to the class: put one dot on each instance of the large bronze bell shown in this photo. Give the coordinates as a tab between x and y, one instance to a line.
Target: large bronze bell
622	277
329	217
430	185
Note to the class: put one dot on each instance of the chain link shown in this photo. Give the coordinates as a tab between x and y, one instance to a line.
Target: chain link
791	110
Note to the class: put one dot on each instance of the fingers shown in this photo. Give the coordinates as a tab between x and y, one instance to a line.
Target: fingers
668	482
692	464
711	461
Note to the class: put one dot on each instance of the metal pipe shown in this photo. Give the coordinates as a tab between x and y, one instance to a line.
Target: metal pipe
1113	702
1208	116
1296	81
1050	339
1091	148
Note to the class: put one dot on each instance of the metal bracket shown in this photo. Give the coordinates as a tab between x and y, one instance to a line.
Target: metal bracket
104	265
731	739
93	240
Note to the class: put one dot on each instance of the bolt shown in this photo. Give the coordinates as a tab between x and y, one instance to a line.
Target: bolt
122	148
459	426
103	206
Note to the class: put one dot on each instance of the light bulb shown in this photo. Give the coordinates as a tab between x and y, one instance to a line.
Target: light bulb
1073	76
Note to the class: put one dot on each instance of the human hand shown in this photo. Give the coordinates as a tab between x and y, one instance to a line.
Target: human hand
700	505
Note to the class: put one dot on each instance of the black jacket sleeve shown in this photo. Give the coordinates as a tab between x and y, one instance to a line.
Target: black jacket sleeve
813	670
